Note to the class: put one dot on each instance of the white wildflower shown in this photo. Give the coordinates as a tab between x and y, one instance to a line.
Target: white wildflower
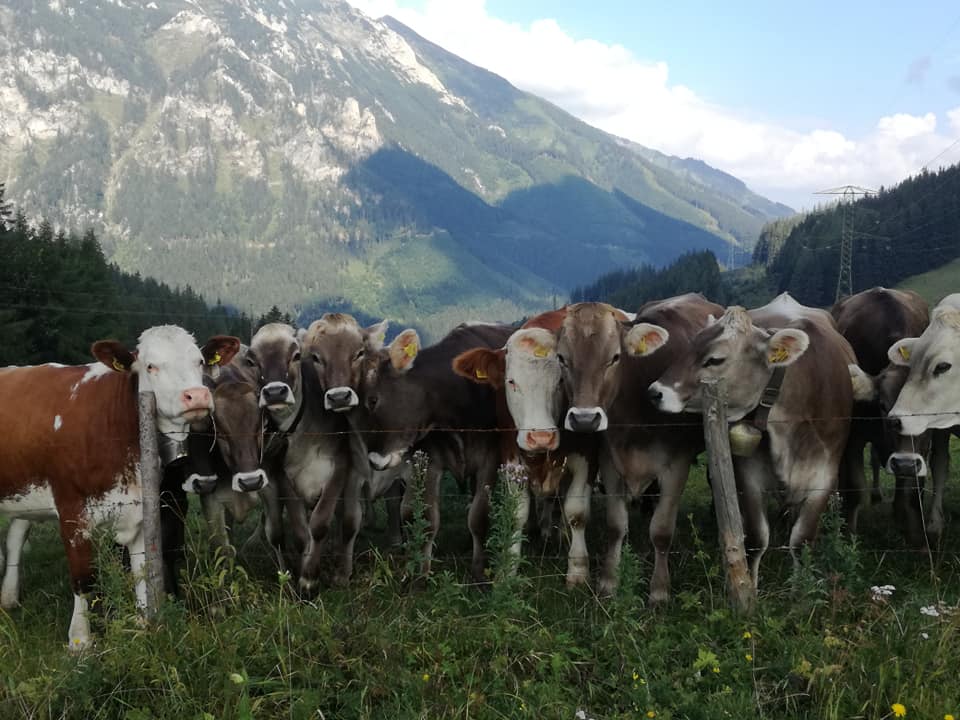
580	715
925	636
930	611
881	592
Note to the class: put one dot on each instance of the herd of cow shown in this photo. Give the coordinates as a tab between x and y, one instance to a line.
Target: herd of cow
307	425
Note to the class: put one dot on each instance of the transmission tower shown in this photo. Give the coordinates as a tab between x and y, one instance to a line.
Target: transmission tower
847	193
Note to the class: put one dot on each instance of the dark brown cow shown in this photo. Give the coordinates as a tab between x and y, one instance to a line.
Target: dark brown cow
808	424
606	372
871	322
410	398
71	442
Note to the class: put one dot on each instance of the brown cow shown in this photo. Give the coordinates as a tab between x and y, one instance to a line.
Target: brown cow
606	373
872	321
808	423
71	450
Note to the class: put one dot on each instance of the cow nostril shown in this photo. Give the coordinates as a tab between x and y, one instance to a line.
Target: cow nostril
655	394
896	423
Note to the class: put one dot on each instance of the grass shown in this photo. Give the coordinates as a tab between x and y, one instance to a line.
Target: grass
935	285
240	646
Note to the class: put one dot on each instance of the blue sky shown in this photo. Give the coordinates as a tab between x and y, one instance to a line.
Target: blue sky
790	97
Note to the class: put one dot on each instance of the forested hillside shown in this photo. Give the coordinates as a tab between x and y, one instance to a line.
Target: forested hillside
58	294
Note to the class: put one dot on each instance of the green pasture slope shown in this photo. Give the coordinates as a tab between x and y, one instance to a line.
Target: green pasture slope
935	285
240	646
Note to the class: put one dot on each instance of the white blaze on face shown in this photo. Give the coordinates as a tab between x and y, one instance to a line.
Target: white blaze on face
532	386
930	399
170	365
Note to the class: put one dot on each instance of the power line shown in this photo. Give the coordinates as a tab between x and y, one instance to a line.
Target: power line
847	194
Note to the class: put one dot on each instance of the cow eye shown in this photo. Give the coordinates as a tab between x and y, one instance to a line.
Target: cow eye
152	368
250	361
941	368
359	354
714	361
562	360
615	359
296	356
512	383
315	357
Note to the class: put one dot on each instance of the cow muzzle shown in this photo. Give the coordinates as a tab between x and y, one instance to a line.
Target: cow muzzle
384	462
340	399
586	420
664	398
538	440
249	481
196	403
907	465
276	396
200	484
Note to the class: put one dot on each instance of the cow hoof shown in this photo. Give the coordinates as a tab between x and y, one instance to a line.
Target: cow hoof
659	598
607	588
9	601
308	587
577	578
78	645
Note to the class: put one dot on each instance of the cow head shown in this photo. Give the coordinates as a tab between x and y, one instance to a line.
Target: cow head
169	364
393	412
335	347
528	371
238	432
589	349
930	398
732	349
274	358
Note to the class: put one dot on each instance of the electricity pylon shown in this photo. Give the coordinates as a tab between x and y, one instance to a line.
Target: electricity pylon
847	195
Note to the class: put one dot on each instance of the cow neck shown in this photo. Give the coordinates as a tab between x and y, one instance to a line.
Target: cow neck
288	428
760	415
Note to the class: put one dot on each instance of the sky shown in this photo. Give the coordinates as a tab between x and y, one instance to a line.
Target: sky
791	98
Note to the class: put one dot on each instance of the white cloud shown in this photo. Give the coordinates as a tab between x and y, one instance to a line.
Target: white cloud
610	88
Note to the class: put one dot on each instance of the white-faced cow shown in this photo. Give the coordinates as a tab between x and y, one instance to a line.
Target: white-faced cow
410	398
872	321
607	365
930	399
809	416
71	442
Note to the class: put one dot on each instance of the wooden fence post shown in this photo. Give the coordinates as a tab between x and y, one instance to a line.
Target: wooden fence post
150	474
743	595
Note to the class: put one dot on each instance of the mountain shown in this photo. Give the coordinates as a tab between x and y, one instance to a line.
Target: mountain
301	154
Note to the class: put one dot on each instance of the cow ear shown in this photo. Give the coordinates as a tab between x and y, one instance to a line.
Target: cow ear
403	350
900	352
482	365
645	339
114	355
375	335
786	346
220	350
864	385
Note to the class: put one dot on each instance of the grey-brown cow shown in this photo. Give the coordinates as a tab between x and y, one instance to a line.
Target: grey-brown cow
808	423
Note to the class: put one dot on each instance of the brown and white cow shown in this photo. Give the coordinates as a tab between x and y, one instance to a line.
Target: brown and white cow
607	366
929	400
410	398
808	423
71	442
872	321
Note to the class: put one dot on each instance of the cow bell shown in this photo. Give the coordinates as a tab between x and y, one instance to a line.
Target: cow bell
744	439
170	449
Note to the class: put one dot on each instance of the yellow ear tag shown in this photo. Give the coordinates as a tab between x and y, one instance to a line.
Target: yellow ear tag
778	355
540	351
904	352
119	366
410	350
642	347
381	337
481	375
215	360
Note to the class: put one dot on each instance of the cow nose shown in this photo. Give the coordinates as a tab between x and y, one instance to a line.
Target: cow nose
275	393
586	419
896	424
539	440
655	394
339	399
198	398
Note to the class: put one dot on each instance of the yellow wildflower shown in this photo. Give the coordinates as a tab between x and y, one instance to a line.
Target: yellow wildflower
716	669
651	714
749	657
948	716
747	635
899	710
636	675
426	677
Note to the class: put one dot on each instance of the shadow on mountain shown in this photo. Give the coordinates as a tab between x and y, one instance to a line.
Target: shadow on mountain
565	233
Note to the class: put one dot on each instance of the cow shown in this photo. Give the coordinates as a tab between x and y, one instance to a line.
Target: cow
560	465
872	321
72	452
411	399
805	420
605	373
928	400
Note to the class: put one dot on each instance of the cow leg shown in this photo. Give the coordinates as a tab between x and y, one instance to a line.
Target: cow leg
876	496
173	510
939	470
618	519
215	513
478	520
809	489
16	537
854	483
663	524
320	521
350	527
752	473
273	523
576	510
393	498
80	561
